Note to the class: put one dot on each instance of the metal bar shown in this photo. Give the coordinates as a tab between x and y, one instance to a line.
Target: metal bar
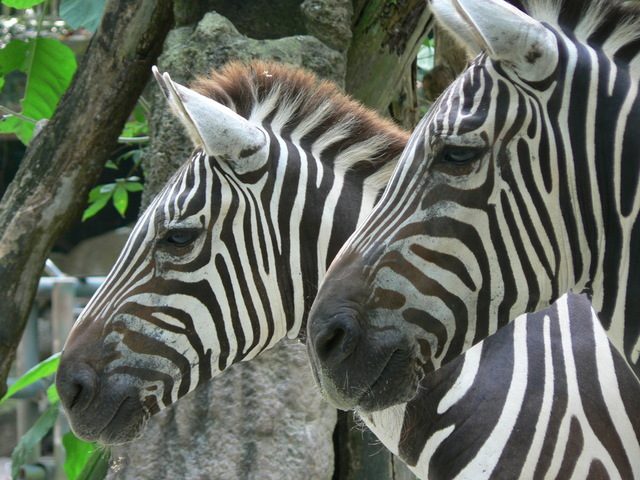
63	299
51	268
27	411
85	287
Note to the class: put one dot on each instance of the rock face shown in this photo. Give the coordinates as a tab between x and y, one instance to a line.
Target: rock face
94	256
263	419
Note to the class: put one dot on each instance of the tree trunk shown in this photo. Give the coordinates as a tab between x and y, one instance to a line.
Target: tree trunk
66	158
386	39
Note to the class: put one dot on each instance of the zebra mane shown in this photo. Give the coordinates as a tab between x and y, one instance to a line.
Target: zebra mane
288	96
612	24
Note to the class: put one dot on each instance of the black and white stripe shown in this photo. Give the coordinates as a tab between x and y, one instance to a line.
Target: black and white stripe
547	396
167	322
522	183
227	258
527	171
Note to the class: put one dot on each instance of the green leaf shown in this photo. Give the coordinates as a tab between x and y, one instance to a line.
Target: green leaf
138	126
134	129
97	205
13	56
49	65
22	4
29	440
78	453
52	394
133	186
82	13
43	369
121	199
101	190
111	165
97	465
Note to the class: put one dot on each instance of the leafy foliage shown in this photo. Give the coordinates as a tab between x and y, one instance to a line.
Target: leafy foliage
49	66
42	370
22	3
96	466
83	458
82	13
29	440
138	126
426	55
117	192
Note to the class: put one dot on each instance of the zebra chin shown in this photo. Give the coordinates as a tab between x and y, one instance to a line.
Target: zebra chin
370	387
127	424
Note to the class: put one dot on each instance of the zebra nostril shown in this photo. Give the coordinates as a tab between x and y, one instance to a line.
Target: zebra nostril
76	385
337	340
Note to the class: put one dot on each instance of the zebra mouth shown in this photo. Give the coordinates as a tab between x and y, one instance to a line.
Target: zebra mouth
110	426
397	383
125	424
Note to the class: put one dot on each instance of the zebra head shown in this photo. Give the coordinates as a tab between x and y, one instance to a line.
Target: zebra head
493	210
214	271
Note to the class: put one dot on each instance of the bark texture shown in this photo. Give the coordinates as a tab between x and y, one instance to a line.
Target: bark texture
386	39
66	158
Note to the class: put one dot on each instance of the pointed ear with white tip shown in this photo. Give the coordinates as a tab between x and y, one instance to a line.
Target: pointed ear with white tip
220	131
503	32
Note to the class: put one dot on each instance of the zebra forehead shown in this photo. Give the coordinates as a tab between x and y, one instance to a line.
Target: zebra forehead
274	88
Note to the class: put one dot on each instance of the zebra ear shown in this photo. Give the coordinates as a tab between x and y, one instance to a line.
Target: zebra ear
219	130
503	32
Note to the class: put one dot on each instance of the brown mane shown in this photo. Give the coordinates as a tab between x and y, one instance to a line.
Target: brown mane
244	85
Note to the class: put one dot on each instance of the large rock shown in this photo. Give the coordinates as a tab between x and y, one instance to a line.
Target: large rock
262	419
93	256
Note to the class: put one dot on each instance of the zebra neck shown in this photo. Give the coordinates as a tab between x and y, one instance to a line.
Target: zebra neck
338	211
602	232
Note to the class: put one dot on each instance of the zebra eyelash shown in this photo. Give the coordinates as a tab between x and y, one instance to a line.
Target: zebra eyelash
459	154
457	160
180	237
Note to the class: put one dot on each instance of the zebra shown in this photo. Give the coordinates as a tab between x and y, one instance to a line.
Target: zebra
226	260
156	330
547	396
520	183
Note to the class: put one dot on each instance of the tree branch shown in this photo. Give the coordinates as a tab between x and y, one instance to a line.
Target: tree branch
66	158
386	39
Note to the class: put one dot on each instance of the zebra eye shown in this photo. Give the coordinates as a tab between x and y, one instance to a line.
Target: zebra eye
459	155
180	237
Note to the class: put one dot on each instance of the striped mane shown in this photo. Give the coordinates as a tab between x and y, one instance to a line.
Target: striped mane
286	97
613	25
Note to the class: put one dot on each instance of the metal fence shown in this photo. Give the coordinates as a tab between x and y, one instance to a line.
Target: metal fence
64	292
